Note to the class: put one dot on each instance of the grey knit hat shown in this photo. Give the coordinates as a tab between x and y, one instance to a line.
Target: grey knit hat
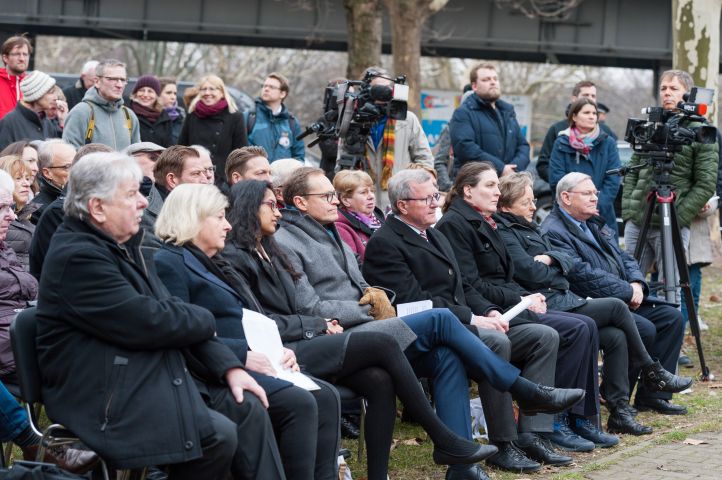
35	85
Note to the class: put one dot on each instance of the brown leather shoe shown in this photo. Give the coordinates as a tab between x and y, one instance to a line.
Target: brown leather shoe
71	459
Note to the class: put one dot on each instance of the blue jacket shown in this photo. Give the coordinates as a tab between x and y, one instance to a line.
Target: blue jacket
476	135
603	156
185	277
273	132
598	271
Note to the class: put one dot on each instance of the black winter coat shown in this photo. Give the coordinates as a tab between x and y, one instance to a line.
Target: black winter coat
117	353
24	124
523	241
274	295
159	132
483	260
594	273
47	195
399	259
20	234
220	134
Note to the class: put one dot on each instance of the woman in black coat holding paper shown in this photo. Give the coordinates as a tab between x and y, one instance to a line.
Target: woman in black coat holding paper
193	226
486	265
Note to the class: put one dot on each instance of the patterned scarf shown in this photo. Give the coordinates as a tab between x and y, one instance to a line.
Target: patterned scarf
582	142
388	142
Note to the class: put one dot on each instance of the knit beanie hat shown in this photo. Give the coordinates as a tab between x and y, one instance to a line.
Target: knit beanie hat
147	81
35	85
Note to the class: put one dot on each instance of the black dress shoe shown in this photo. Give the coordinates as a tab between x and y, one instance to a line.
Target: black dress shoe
349	429
622	421
466	452
589	431
550	400
540	450
512	459
657	379
659	405
474	472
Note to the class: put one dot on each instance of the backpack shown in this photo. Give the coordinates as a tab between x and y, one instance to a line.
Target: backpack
91	123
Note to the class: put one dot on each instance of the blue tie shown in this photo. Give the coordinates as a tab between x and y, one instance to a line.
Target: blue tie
588	232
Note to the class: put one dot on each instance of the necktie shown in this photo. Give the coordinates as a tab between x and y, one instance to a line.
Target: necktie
423	235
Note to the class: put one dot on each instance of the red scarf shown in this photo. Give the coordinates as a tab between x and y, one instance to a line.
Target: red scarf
204	111
146	112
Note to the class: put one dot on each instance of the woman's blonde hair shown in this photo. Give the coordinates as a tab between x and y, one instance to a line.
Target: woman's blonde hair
218	83
187	205
513	187
14	164
346	182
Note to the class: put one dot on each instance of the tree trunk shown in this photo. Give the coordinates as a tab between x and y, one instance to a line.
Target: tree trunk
696	39
363	21
407	18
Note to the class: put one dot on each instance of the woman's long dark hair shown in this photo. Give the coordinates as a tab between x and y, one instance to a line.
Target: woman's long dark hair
469	174
245	198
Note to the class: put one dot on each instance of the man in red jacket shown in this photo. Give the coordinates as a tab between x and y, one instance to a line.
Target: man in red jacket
16	57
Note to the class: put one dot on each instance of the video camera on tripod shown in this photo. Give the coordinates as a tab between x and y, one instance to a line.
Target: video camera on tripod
351	108
657	139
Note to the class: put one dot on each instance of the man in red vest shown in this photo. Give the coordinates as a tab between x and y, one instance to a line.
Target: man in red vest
16	57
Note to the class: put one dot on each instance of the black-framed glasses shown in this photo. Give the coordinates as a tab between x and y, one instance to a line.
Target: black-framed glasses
272	204
115	79
328	196
210	170
429	199
63	167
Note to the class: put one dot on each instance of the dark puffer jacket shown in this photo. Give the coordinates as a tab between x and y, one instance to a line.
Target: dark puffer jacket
159	132
599	269
21	123
694	176
523	241
20	234
17	288
477	136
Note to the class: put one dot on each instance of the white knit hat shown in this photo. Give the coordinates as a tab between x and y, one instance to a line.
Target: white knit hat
35	85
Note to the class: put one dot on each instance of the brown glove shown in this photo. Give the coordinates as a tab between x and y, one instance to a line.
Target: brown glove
381	308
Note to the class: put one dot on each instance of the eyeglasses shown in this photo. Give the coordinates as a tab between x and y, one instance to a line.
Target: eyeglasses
270	87
19	54
328	196
430	200
272	204
210	170
115	79
63	167
586	193
209	89
528	203
6	209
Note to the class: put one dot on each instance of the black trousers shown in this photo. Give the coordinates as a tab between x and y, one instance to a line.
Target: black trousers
532	348
306	425
219	450
615	370
256	455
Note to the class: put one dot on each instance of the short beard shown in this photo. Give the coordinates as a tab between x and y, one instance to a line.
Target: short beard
490	97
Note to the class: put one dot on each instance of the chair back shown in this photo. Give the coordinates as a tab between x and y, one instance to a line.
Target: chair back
23	331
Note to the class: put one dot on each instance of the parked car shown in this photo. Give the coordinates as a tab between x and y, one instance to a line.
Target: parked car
545	197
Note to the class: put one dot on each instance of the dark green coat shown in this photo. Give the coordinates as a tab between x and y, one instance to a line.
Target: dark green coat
694	175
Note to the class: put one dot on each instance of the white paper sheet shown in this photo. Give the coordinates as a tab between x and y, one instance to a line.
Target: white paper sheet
263	337
516	309
404	309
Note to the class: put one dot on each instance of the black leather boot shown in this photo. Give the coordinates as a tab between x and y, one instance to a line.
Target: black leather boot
657	379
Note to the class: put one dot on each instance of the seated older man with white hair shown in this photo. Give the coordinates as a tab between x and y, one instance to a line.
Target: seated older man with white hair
601	269
142	364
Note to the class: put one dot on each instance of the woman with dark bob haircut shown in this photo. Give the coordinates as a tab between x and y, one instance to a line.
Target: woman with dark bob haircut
370	363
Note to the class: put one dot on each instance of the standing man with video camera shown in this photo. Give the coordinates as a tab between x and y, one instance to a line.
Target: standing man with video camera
393	144
693	177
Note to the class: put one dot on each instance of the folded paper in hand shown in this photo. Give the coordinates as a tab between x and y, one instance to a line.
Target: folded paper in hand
263	337
410	308
516	309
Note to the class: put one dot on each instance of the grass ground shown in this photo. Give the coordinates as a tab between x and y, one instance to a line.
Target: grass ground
411	460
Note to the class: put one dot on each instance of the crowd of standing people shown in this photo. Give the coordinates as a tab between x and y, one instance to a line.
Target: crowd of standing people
146	232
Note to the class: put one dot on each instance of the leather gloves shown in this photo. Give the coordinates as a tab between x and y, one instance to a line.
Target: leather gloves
381	307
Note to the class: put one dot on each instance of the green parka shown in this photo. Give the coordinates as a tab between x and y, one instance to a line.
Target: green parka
694	177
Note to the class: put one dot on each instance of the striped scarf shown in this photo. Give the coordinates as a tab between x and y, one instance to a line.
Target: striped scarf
388	142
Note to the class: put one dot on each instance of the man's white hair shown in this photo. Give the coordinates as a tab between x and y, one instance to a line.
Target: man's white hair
7	184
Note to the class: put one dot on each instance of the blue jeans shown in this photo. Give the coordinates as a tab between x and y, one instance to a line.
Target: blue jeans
449	353
13	419
695	280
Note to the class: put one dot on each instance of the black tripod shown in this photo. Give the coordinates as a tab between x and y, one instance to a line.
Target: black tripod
662	193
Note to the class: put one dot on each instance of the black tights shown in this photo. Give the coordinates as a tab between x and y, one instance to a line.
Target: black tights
375	368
